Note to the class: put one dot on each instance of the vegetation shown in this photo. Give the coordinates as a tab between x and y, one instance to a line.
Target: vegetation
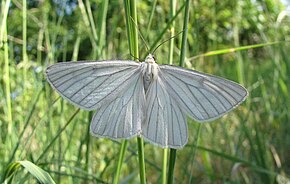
245	41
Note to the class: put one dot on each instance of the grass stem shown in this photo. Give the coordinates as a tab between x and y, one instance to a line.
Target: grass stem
141	160
164	165
184	35
172	30
4	42
120	161
196	139
172	159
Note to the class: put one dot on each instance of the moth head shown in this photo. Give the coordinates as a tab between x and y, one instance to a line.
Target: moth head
150	59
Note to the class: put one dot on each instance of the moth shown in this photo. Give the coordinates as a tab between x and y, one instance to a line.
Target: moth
143	98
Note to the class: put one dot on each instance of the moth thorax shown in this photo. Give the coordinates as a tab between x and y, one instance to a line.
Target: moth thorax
150	73
150	59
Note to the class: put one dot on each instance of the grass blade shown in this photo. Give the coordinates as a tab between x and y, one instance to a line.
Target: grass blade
184	35
120	161
57	135
172	159
41	175
4	42
164	165
196	140
158	38
230	50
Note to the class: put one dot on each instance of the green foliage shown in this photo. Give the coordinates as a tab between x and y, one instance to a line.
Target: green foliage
245	41
37	172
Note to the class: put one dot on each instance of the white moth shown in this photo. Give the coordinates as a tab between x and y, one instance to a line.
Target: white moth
144	99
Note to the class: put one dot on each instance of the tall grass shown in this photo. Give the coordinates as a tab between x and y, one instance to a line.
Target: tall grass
7	112
243	41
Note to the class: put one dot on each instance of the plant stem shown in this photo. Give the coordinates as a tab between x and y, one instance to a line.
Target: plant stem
102	28
6	80
172	159
6	70
151	17
166	28
26	124
24	45
184	35
141	160
196	139
164	165
172	30
120	161
45	151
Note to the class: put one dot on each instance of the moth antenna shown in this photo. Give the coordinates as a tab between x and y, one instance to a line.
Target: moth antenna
166	41
135	58
145	43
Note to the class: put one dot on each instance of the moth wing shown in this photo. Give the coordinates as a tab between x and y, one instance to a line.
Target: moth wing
90	85
122	117
165	123
202	96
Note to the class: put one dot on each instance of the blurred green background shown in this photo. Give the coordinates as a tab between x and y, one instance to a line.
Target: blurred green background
249	145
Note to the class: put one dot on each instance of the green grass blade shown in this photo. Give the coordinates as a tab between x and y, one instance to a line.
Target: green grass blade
26	123
184	35
153	9
76	48
158	38
37	172
4	13
9	172
102	27
4	42
120	161
91	21
172	158
24	45
128	25
41	175
164	165
8	126
238	160
141	159
172	31
196	140
93	35
57	135
134	27
231	50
